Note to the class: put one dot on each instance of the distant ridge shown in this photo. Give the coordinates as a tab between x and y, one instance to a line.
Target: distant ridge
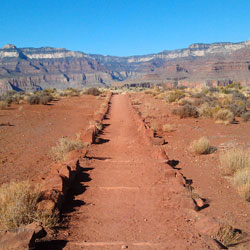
198	65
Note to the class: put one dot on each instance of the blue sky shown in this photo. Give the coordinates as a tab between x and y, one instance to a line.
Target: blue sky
122	27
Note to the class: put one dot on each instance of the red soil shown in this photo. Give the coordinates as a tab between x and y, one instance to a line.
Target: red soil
208	179
25	145
125	198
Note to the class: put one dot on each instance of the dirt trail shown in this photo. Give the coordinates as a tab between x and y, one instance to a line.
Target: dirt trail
127	202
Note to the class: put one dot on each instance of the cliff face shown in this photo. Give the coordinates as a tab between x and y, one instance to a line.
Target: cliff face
206	64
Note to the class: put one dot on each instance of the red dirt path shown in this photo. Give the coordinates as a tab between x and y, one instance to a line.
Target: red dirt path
128	201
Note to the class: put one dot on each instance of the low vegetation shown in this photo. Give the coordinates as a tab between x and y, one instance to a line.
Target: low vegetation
44	96
188	110
3	104
19	202
222	104
93	91
236	162
246	116
224	116
228	236
64	146
201	146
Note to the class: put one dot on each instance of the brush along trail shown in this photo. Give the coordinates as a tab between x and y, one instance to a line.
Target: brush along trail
126	199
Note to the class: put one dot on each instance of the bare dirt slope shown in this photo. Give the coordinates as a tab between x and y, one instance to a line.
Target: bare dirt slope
128	202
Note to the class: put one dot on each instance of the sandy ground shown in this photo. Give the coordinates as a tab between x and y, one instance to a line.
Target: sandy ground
25	145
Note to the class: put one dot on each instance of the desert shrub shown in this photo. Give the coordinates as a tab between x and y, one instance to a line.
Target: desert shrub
3	104
200	101
187	110
224	116
234	160
228	236
168	128
45	99
206	110
64	146
136	102
19	206
239	96
213	89
70	92
93	91
49	91
246	116
244	191
248	103
184	101
237	110
201	146
198	95
174	96
34	99
234	85
242	177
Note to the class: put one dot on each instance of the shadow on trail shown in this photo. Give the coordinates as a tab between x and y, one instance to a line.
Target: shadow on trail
101	141
70	204
105	125
173	164
78	188
51	245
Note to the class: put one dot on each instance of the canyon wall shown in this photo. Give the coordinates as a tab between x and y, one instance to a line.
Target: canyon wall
199	64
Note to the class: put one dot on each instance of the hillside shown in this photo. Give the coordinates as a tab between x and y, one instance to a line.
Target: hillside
199	64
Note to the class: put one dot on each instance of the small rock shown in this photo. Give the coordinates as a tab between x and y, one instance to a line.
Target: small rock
124	247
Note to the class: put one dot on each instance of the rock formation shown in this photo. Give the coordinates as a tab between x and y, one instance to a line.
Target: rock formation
199	64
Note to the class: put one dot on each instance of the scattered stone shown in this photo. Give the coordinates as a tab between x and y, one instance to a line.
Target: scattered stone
21	238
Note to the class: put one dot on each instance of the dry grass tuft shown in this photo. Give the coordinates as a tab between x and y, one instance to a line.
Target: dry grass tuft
242	182
244	191
201	146
64	146
19	206
224	116
168	127
234	160
228	236
3	104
